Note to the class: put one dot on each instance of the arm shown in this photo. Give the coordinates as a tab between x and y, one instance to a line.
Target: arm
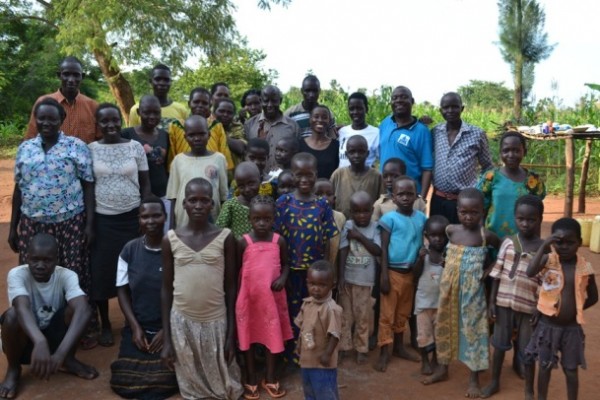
279	283
89	199
230	295
484	157
343	255
325	358
425	183
138	336
540	258
419	264
166	301
371	246
385	278
41	365
144	178
592	293
173	223
77	326
492	299
15	217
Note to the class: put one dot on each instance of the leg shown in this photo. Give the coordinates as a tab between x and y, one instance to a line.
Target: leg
572	383
543	381
384	358
494	385
307	384
376	311
345	301
426	339
440	374
55	332
412	324
106	336
250	366
385	336
405	289
473	391
14	343
362	309
425	364
529	377
401	351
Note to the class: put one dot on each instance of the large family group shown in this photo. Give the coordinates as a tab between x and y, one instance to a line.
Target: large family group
264	238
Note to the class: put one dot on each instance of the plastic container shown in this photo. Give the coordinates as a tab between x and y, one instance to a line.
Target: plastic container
595	237
586	230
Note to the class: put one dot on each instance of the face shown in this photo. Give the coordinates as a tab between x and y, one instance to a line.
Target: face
198	203
451	107
319	120
319	283
150	113
436	236
361	212
109	122
512	152
310	91
221	93
470	212
262	217
285	184
258	156
200	104
357	111
391	172
197	135
402	102
305	176
528	220
253	104
224	113
566	244
48	121
405	194
70	76
325	189
161	82
357	152
152	219
248	184
271	100
283	152
42	261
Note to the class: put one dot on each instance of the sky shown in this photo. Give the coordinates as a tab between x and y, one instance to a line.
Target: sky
430	46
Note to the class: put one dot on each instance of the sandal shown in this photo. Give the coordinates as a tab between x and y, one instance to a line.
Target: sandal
251	392
273	389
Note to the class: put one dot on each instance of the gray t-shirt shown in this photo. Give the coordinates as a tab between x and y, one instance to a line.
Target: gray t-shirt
428	288
360	267
46	297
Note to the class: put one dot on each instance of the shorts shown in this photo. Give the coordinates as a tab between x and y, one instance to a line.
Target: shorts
548	339
426	329
507	321
320	383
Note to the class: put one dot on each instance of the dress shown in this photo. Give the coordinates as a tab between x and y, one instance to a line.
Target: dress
235	216
261	313
327	159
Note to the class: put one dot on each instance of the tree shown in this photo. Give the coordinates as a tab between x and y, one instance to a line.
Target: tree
523	42
485	94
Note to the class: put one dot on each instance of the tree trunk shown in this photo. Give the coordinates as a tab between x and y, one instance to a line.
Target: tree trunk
119	86
518	78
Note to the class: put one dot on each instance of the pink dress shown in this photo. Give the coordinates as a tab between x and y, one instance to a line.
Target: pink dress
261	313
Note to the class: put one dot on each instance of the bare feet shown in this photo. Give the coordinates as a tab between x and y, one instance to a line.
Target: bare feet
473	391
402	352
529	395
491	389
361	358
426	368
8	388
383	360
75	367
439	375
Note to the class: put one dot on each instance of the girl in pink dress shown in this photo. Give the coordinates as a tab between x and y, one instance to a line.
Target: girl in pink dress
261	308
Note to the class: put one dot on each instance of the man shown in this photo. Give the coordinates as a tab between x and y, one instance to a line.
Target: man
160	79
311	89
271	124
81	119
49	314
458	149
403	136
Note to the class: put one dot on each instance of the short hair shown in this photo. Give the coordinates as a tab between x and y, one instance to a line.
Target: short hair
271	88
359	196
360	138
295	145
154	200
70	59
398	162
148	97
304	157
405	178
44	239
531	200
283	173
451	94
321	180
49	101
198	90
262	199
224	100
471	193
322	106
215	86
311	77
359	96
258	143
436	219
200	182
512	133
105	106
161	67
322	266
248	93
567	224
193	118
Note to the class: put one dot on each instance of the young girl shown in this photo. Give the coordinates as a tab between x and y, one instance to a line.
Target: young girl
502	186
325	149
261	308
198	298
462	327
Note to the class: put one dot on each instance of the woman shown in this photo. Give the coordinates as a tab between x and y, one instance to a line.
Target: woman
138	372
325	149
54	192
251	105
122	180
224	111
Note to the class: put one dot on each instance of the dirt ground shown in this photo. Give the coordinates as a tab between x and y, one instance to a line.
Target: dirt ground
401	381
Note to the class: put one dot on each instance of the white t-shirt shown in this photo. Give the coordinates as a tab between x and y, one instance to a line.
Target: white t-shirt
46	297
370	133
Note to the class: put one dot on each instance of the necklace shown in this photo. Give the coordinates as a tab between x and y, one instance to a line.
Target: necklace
155	249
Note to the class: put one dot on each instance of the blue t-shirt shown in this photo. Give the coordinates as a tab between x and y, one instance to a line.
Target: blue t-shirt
411	143
406	237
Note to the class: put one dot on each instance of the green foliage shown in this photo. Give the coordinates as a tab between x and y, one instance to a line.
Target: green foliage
486	94
594	86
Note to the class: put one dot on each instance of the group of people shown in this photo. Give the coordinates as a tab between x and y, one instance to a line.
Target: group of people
254	223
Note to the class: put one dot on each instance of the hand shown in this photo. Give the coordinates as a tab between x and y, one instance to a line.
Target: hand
89	235
156	344
385	283
535	318
355	234
42	364
325	359
550	240
229	349
423	252
13	240
341	284
139	339
492	311
278	284
167	355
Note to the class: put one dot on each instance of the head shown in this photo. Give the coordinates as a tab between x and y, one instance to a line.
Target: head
320	119
405	194
393	169
357	150
324	188
304	170
262	215
402	102
199	102
285	149
196	133
42	256
451	107
358	107
257	151
270	98
567	232
361	208
109	121
311	89
529	212
49	116
247	179
219	91
470	208
251	102
224	110
513	147
152	216
160	80
70	73
198	201
435	232
285	182
149	111
319	279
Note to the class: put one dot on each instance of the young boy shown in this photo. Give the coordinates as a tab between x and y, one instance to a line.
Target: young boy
357	176
285	149
324	188
48	315
285	182
257	152
401	239
392	170
568	287
360	244
428	271
320	323
513	296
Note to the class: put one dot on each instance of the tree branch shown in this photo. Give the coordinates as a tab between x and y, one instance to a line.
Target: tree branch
44	20
44	3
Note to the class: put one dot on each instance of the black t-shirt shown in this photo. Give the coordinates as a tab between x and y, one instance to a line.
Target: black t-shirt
327	159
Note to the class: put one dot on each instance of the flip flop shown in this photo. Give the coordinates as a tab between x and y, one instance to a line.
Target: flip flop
273	389
251	392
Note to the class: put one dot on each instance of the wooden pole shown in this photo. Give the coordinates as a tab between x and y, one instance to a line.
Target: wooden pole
570	176
585	166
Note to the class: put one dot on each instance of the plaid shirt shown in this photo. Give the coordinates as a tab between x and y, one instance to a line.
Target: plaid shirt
455	166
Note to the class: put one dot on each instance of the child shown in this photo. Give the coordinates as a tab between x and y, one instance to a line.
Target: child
320	323
235	211
324	188
392	170
361	243
401	239
285	183
285	149
568	287
261	308
197	163
306	223
357	176
502	186
461	331
258	153
428	271
198	300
